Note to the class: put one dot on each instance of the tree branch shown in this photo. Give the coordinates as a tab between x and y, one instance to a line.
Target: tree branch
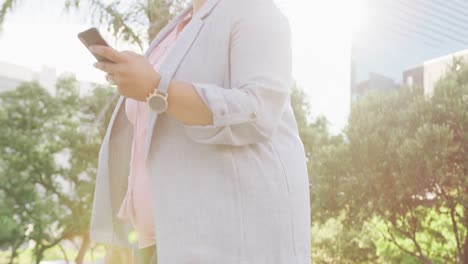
452	213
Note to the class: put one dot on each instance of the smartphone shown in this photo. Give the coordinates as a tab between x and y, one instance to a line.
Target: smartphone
93	37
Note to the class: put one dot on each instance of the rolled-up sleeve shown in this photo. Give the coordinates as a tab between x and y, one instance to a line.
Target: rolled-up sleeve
260	73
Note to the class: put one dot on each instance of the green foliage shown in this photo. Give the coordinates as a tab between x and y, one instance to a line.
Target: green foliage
436	228
393	188
136	21
6	7
402	167
318	143
333	242
48	154
54	254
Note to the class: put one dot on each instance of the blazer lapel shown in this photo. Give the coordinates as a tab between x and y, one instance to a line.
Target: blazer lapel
178	52
167	29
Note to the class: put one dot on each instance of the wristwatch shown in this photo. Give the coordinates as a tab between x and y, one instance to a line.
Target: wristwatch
157	99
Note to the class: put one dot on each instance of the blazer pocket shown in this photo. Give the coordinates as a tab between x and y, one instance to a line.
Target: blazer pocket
283	170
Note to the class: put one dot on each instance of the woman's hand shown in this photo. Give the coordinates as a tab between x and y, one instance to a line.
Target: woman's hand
134	76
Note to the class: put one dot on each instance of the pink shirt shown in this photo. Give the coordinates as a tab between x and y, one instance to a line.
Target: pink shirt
136	206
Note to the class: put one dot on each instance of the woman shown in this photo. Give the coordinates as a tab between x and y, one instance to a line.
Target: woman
215	172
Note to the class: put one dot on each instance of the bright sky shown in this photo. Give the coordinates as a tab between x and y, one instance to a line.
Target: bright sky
40	33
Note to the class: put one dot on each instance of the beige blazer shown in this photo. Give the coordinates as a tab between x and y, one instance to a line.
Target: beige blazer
237	191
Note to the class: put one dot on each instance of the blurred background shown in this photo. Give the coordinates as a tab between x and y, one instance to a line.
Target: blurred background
381	100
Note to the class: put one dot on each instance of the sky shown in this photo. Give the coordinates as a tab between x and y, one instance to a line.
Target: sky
41	33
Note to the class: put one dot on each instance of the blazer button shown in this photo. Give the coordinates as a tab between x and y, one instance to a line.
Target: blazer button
253	115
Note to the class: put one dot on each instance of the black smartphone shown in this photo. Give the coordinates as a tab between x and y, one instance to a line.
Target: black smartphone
93	37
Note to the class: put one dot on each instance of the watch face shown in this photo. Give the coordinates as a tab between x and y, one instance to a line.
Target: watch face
157	103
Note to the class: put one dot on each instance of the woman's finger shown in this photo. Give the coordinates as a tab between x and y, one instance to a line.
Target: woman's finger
109	53
111	79
111	68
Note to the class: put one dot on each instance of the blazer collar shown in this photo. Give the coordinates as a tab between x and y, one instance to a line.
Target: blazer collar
206	8
202	13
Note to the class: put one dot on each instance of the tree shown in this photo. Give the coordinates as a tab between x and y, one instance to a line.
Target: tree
48	156
326	156
398	176
25	157
318	143
136	21
409	165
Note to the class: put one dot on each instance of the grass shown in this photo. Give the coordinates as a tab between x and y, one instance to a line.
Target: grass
55	253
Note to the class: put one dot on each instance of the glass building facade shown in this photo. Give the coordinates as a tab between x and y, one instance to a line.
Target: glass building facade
400	37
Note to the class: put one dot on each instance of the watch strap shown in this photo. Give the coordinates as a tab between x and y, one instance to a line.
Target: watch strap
164	82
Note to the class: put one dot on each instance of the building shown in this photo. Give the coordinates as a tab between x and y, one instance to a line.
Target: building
375	81
429	72
11	75
400	34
